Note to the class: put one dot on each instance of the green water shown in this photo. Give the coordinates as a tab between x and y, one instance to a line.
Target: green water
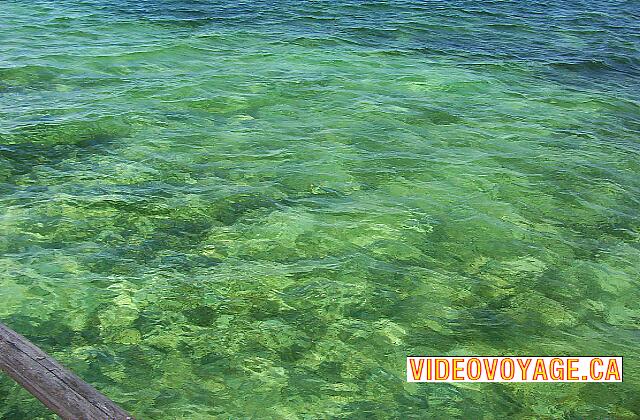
233	210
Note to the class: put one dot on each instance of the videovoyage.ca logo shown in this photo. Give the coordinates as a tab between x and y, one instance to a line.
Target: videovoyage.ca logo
514	369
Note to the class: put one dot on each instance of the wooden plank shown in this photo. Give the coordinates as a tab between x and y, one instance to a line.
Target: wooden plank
56	387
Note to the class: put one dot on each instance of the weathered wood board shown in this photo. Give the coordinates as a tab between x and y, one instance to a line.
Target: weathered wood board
56	387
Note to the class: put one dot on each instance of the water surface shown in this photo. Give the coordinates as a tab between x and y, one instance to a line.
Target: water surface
217	209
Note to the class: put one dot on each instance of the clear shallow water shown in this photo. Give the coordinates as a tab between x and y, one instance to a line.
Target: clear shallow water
220	209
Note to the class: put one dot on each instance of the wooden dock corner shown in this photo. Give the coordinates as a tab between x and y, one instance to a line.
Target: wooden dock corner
55	386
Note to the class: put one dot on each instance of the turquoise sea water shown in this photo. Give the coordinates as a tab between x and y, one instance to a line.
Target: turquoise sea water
217	209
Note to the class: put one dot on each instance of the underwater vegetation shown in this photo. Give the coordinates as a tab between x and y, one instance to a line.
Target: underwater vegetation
258	210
